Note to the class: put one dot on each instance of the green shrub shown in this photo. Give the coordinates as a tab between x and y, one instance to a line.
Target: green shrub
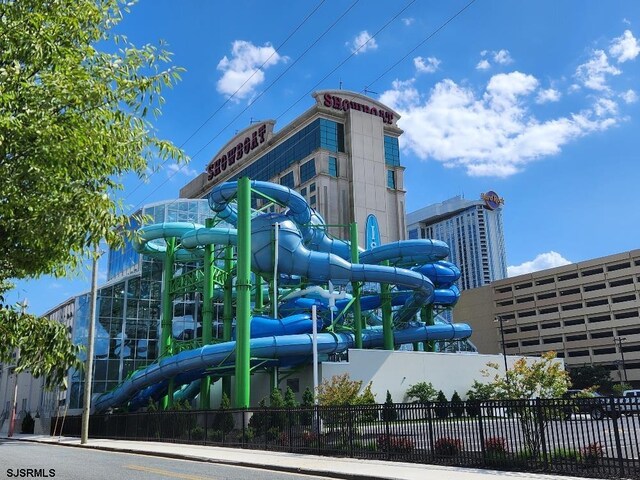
389	413
248	435
564	454
28	423
441	409
223	419
197	433
457	407
216	435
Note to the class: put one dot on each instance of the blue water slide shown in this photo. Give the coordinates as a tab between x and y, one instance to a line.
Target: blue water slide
183	366
309	222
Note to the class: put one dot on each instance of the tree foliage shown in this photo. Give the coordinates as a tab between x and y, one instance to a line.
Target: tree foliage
73	121
422	392
341	390
591	376
45	347
543	378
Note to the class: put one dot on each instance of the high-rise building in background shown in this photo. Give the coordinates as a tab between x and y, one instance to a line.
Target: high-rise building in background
474	232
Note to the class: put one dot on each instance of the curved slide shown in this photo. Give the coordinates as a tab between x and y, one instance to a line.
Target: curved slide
305	250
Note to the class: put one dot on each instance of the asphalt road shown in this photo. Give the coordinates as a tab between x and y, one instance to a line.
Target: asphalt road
65	463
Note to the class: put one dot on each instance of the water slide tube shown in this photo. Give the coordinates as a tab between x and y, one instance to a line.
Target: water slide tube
185	365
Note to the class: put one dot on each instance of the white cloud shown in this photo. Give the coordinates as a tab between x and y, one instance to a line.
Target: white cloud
593	74
408	21
541	262
428	65
483	65
625	47
491	134
174	169
629	96
605	106
548	95
502	57
362	43
626	21
240	72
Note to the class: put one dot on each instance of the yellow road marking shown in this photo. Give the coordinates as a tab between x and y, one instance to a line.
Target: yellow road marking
166	473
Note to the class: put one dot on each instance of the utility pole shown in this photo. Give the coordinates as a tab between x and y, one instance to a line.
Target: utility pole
618	341
88	366
500	321
14	404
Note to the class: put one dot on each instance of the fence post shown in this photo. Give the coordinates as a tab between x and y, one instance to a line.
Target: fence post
387	434
430	423
350	410
316	414
478	404
244	428
616	433
289	409
543	440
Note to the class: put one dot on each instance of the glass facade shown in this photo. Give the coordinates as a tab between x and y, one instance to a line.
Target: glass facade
391	151
391	179
128	309
307	170
320	133
333	167
288	180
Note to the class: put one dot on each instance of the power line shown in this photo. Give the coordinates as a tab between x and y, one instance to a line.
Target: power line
421	43
221	106
253	102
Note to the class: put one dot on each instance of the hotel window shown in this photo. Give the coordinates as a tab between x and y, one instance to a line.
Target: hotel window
312	200
287	180
391	179
312	187
307	170
391	151
303	191
333	166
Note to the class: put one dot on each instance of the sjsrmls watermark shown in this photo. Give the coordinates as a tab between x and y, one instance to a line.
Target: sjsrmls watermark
31	472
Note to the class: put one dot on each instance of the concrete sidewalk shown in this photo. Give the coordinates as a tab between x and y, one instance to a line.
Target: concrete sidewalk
348	468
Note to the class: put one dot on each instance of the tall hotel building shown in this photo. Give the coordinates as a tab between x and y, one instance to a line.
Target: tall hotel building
472	229
342	155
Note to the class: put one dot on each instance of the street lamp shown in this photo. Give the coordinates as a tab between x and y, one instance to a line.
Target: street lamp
618	341
14	405
500	321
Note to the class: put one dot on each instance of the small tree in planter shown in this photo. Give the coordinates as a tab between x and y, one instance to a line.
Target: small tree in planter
442	406
457	407
389	413
306	418
478	393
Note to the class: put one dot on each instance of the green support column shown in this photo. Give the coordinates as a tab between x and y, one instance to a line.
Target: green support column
355	258
243	289
207	315
427	317
259	301
227	309
166	341
387	319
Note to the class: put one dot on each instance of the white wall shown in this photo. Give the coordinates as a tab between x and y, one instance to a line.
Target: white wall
397	371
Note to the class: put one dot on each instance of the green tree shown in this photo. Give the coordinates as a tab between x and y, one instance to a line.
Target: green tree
619	388
389	413
341	390
442	408
45	347
306	416
477	393
290	399
456	408
543	378
73	121
223	419
589	376
422	392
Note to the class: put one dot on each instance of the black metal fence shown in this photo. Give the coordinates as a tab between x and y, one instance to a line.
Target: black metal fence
587	437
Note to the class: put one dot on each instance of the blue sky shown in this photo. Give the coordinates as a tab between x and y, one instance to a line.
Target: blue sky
535	100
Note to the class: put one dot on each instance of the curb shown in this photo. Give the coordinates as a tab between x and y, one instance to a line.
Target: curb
177	456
